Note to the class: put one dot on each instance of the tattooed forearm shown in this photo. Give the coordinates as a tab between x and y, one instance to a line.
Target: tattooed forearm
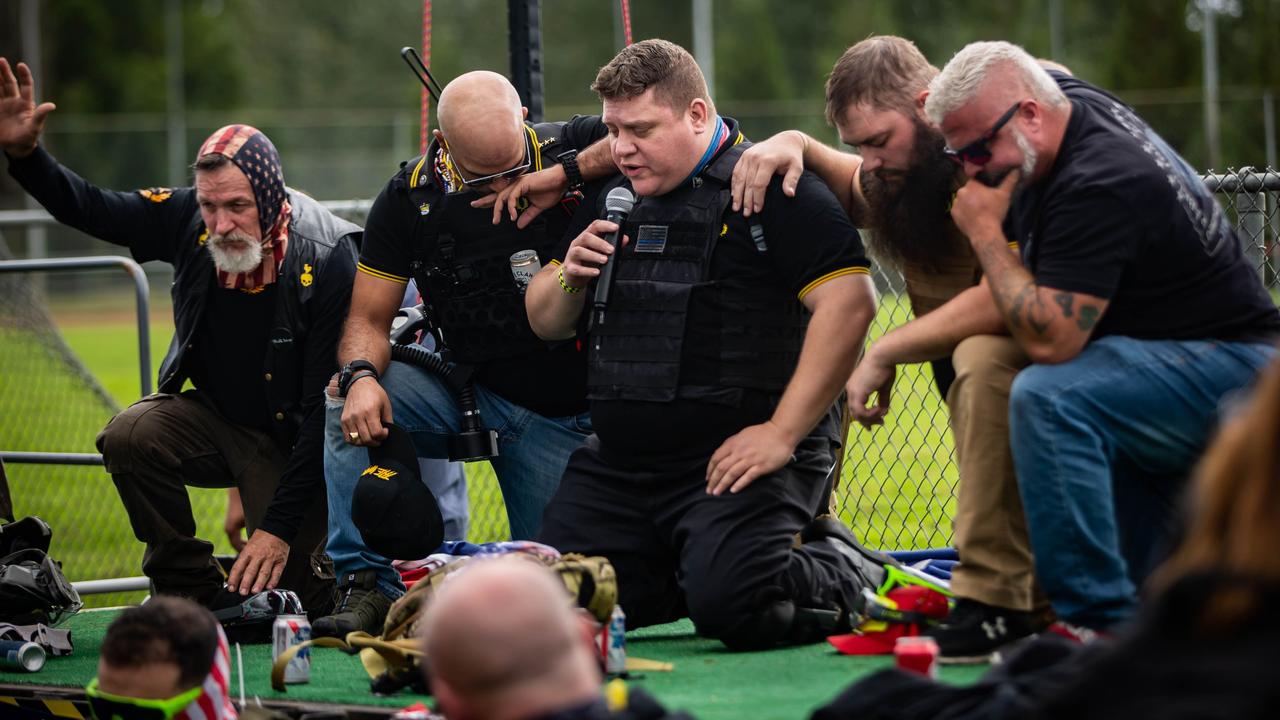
1025	306
1014	289
1065	301
1088	317
1028	306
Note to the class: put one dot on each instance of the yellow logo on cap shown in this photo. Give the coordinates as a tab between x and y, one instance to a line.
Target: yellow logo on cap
379	472
305	278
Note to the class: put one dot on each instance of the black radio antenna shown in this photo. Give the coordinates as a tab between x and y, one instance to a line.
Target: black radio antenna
420	71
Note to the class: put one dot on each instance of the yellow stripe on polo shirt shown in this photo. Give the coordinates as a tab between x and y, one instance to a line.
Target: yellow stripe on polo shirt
536	152
832	276
361	267
417	172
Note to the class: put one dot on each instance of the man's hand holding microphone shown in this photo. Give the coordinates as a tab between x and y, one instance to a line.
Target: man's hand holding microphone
588	255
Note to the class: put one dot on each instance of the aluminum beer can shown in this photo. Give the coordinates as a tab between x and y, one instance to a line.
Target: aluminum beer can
524	265
917	654
287	631
21	655
615	647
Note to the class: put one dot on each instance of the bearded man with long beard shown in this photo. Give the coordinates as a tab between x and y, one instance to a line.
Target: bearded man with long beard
262	280
898	188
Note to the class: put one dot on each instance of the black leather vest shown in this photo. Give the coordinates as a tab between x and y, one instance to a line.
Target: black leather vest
637	353
315	235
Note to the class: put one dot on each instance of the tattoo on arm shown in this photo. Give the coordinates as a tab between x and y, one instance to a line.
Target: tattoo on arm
1029	306
1088	317
1065	300
1014	289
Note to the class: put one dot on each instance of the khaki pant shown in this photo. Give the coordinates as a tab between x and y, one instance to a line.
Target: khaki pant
996	565
163	443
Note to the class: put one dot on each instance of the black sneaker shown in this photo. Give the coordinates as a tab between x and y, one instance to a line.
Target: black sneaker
360	606
974	631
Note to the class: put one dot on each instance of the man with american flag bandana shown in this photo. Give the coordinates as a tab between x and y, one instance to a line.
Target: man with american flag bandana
262	279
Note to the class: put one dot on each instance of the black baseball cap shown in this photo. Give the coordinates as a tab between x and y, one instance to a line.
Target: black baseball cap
396	514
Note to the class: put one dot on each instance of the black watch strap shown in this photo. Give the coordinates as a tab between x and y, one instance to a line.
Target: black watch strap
569	161
355	365
349	372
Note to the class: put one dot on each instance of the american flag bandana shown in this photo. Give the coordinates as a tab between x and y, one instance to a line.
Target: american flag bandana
253	153
214	702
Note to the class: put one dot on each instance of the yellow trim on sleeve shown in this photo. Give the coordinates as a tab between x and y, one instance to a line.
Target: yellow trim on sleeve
831	276
361	267
1013	245
556	263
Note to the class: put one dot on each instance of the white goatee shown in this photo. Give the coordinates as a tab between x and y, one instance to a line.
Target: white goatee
235	261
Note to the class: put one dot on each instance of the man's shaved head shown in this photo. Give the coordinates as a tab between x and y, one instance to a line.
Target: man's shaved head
503	635
482	121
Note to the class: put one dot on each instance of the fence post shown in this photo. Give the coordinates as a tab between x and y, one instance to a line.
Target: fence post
1251	214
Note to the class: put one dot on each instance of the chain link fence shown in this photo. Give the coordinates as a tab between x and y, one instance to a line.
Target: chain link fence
897	482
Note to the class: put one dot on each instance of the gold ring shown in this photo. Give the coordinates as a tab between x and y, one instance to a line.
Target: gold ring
354	436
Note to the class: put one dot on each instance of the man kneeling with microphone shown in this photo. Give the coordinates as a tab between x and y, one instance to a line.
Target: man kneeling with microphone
715	356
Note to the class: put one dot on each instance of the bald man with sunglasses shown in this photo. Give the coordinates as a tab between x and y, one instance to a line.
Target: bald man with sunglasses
423	226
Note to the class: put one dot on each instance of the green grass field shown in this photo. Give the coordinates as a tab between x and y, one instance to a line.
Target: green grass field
895	487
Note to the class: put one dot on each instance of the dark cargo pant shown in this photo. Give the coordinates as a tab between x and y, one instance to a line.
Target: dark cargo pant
722	560
163	443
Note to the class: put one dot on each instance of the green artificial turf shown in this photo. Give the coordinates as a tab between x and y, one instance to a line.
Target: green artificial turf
708	681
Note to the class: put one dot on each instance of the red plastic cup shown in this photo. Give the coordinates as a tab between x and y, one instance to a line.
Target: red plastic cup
917	654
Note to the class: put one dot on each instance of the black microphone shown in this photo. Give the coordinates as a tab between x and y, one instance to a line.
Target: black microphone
617	205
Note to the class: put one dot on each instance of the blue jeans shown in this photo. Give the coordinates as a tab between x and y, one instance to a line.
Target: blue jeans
448	482
1102	445
533	451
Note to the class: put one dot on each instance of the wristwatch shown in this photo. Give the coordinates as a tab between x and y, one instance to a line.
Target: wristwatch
353	370
569	161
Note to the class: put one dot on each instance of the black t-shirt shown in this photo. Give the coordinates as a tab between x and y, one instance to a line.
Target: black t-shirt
810	240
1123	217
550	382
230	352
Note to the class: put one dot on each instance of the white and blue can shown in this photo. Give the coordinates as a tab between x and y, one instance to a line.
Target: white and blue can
615	660
287	631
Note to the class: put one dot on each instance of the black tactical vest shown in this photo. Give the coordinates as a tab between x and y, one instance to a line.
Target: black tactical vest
636	354
462	265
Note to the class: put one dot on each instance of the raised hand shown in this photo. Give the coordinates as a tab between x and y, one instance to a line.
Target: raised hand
21	120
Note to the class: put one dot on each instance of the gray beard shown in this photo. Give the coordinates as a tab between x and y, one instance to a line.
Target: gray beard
1029	157
234	263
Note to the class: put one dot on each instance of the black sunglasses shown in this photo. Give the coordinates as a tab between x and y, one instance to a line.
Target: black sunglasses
977	151
487	179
